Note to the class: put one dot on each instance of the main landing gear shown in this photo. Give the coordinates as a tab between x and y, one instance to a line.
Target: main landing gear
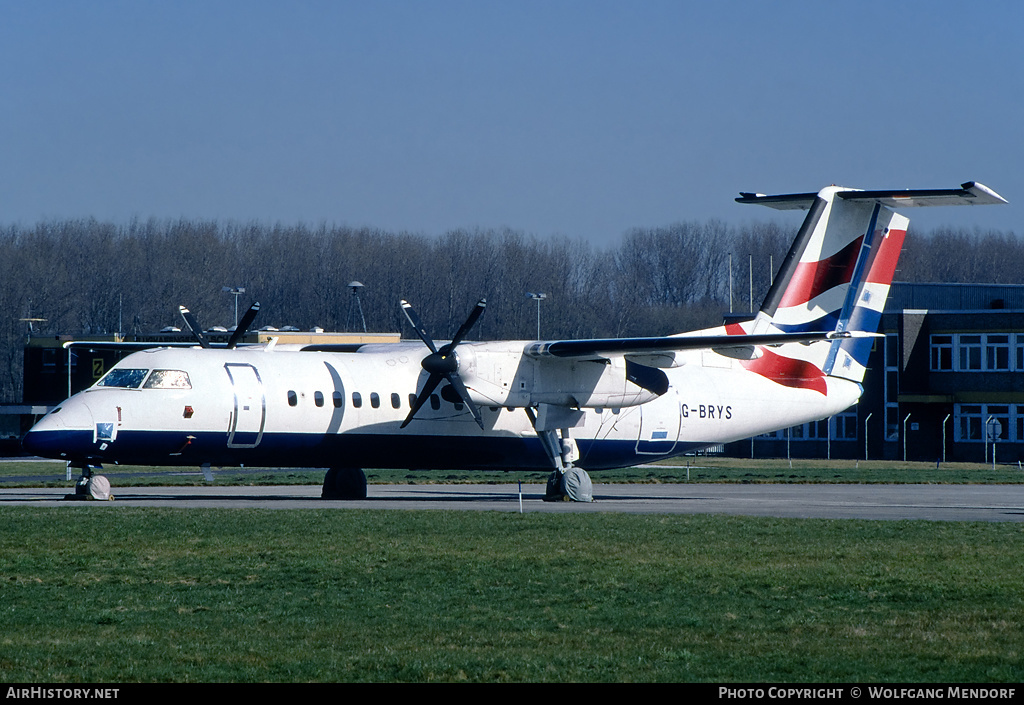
344	483
567	482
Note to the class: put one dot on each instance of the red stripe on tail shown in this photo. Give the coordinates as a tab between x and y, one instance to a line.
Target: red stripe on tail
813	278
787	371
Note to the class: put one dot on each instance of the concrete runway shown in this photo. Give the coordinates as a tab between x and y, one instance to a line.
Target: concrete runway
883	502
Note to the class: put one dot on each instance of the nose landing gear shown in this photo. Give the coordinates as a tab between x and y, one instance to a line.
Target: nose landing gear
91	486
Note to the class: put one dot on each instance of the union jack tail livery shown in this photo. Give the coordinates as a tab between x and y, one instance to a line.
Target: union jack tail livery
837	273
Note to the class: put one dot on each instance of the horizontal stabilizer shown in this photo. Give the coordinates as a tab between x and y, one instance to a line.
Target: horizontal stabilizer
970	193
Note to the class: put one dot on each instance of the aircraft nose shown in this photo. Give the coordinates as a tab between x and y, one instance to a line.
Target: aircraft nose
64	433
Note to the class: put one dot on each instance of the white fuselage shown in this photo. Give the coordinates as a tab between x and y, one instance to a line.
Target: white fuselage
286	407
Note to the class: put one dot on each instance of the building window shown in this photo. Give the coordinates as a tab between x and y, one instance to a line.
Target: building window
997	353
892	351
997	423
970	353
49	360
989	423
892	422
942	353
844	426
968	422
977	352
892	390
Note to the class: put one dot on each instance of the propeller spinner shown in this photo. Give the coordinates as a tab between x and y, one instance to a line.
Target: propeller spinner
443	363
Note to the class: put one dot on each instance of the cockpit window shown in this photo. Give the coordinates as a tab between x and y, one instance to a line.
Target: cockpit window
124	377
168	379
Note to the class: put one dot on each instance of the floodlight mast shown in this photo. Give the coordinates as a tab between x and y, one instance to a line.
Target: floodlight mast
355	305
235	291
538	297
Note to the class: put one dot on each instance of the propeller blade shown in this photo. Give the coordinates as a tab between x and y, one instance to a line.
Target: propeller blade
193	325
473	316
460	388
425	393
243	326
443	363
417	325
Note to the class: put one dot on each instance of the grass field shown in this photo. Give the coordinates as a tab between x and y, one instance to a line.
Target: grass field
353	595
141	595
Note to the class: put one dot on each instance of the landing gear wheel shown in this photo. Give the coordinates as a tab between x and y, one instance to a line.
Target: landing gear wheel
90	486
577	485
573	485
344	483
554	492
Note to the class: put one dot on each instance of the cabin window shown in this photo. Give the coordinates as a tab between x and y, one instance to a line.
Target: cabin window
435	402
396	401
168	379
318	398
375	400
412	400
293	398
357	400
337	399
124	378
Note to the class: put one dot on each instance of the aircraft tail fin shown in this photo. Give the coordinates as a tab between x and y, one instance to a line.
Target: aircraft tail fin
837	274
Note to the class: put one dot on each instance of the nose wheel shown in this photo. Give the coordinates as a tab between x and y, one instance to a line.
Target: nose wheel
91	486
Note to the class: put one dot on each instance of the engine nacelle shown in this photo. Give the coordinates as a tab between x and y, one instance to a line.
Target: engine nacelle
496	377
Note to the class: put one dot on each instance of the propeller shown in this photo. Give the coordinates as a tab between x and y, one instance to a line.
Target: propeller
193	325
243	325
443	364
240	330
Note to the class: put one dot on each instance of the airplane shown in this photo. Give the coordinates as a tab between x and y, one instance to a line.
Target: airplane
564	406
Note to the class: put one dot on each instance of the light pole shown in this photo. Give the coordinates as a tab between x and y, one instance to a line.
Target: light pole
866	419
235	291
905	437
944	436
354	306
538	298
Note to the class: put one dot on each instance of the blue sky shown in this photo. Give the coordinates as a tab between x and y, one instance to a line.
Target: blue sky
560	117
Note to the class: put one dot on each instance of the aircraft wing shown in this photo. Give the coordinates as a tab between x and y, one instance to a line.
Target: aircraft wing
970	193
638	347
